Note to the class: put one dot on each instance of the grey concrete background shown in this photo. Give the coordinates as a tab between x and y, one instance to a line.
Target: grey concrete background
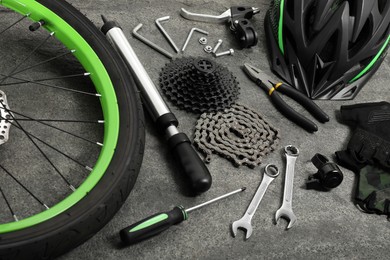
329	225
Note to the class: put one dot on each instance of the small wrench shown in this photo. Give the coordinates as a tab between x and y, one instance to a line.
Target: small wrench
270	173
285	210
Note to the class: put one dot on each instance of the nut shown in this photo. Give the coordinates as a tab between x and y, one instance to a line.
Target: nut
203	40
208	49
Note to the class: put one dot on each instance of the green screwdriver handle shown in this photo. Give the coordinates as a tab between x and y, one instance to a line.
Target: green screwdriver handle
152	225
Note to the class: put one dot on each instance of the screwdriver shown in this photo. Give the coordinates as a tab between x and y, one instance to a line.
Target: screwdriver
159	222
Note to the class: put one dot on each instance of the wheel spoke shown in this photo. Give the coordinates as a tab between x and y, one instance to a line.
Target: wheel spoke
52	86
38	64
23	186
61	120
26	58
48	79
50	146
40	150
12	25
54	127
8	205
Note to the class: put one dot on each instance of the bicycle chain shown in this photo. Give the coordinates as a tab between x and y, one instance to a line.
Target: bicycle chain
199	85
239	134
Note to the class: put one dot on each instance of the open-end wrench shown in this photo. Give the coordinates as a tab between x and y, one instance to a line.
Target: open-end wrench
270	173
285	210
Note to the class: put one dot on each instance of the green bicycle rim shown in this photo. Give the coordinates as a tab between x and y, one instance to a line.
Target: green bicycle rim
102	82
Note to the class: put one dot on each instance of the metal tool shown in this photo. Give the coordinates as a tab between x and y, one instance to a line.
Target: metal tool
238	133
270	173
164	32
229	52
149	43
203	40
6	118
208	49
209	86
271	86
160	222
237	16
217	46
190	35
285	210
180	145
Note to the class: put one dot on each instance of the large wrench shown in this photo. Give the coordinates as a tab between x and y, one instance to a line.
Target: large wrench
270	173
285	210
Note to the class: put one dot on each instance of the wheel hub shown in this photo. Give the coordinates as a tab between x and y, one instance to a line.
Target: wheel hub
5	118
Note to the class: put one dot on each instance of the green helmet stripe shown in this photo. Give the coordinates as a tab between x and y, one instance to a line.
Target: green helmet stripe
280	28
373	61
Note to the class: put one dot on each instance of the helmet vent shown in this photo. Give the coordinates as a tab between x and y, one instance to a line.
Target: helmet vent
381	5
328	52
321	70
355	46
290	8
383	39
309	19
295	73
350	93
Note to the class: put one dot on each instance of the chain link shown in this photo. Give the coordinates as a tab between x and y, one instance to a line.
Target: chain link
239	134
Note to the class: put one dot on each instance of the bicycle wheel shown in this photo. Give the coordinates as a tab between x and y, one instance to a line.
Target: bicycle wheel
71	129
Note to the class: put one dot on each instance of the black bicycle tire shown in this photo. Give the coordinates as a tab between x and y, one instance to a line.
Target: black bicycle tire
77	224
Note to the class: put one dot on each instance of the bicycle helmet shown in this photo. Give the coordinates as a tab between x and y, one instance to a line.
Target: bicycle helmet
327	49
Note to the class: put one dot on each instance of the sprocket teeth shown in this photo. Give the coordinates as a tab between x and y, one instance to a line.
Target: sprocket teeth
202	84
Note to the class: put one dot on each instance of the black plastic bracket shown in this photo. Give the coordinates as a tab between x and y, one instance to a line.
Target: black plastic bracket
329	175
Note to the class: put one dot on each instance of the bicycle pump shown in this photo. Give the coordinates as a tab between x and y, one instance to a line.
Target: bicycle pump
179	143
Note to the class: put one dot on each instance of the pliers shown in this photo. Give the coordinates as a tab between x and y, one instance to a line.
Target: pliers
272	86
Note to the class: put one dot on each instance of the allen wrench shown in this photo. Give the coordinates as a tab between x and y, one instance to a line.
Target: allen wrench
166	35
190	35
149	43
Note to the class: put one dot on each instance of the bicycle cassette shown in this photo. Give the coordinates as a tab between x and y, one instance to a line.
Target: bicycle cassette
199	85
239	134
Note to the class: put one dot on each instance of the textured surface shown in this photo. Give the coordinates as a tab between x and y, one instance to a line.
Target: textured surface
239	134
329	225
198	85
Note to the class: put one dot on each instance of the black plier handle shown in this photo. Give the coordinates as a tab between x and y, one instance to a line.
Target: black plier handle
293	115
266	83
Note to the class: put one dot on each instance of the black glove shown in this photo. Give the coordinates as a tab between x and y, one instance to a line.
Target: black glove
370	142
373	193
368	154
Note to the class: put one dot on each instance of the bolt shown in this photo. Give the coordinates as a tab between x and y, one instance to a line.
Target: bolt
217	46
229	52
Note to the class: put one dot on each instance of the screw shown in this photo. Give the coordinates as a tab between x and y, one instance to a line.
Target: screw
217	46
229	52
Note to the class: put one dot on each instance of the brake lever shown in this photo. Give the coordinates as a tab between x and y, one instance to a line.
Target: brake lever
222	18
238	18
